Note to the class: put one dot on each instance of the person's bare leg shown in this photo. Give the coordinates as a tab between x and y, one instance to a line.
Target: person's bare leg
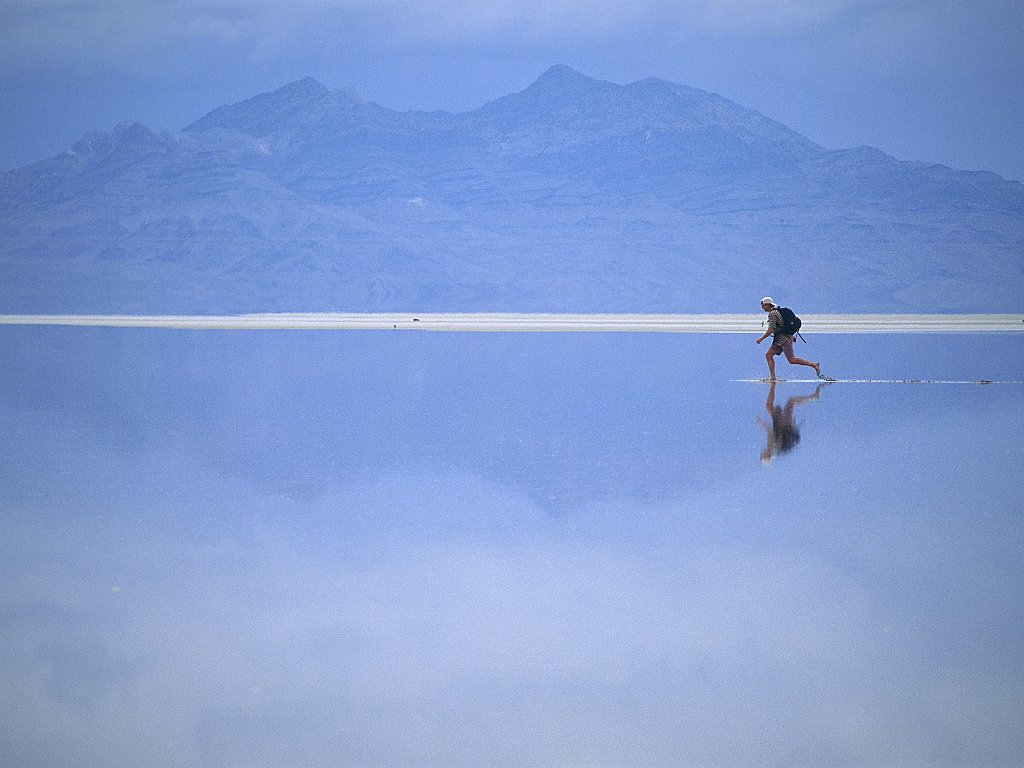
770	357
793	359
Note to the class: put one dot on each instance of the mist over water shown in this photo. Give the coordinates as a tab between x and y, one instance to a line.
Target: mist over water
322	548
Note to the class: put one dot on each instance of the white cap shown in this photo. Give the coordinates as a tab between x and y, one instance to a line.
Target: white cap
768	300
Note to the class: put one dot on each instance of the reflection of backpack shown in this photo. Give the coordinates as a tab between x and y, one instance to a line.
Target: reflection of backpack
790	322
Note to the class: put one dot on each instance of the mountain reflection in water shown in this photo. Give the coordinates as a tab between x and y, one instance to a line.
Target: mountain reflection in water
375	549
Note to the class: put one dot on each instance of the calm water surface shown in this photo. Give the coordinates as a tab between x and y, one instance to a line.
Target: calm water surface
411	549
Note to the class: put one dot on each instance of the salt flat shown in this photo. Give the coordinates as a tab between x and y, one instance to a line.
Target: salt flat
540	322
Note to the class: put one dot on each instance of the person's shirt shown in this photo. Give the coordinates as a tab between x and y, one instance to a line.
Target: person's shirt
775	326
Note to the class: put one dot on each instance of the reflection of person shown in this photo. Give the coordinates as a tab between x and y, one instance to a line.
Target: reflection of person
782	432
782	343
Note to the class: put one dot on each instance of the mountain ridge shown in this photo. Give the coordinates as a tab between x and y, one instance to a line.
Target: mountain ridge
573	194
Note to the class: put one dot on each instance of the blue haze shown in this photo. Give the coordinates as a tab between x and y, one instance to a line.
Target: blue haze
276	548
925	80
572	195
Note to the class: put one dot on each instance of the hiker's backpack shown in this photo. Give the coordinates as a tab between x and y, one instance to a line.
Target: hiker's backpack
790	322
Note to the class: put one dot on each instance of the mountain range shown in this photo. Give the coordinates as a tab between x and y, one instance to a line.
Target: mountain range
574	194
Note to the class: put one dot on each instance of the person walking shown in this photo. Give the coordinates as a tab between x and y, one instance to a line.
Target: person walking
782	344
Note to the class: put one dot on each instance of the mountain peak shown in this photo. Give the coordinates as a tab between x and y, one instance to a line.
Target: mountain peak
566	107
307	87
560	73
558	88
563	79
128	136
299	103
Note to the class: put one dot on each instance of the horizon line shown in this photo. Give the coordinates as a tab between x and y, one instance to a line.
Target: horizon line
512	322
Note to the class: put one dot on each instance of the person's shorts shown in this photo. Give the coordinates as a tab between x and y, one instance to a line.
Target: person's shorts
785	346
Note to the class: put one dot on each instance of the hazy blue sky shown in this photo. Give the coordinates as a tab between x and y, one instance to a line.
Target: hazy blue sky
935	80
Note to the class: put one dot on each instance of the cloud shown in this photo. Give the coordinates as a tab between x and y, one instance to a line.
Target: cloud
104	34
445	620
247	649
583	19
89	35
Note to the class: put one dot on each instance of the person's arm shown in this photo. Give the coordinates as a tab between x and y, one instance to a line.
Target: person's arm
771	327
